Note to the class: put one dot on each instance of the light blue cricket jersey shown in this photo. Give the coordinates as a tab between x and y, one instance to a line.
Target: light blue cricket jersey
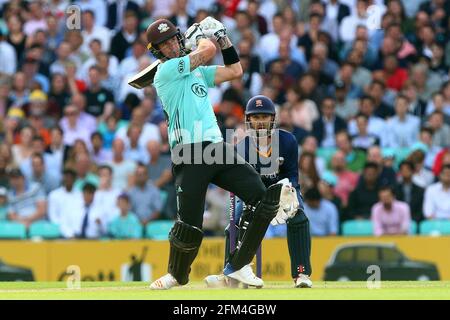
184	96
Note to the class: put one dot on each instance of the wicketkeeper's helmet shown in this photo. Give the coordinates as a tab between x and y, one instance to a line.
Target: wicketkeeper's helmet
160	31
260	105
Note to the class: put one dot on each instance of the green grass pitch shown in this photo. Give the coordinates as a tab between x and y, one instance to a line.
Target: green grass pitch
197	290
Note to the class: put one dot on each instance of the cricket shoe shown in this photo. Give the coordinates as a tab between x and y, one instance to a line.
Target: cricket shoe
303	281
164	283
216	281
244	275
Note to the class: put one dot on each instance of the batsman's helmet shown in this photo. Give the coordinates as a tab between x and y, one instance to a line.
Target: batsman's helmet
160	31
260	105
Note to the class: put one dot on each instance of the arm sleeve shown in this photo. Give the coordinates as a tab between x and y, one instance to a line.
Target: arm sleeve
209	74
174	69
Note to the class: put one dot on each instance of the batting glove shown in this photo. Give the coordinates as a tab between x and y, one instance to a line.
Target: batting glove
192	36
213	28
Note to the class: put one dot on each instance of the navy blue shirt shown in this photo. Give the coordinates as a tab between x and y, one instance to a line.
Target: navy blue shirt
280	161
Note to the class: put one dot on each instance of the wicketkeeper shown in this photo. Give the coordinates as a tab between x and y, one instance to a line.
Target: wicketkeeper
274	154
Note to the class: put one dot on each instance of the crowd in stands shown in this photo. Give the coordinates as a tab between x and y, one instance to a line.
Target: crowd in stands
363	85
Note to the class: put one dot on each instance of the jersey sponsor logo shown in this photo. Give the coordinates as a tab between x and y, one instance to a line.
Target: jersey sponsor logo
181	66
199	90
163	27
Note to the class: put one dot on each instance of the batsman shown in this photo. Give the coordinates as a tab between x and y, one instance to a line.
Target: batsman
274	153
181	81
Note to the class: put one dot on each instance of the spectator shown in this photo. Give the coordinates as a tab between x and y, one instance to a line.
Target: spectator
377	90
403	128
346	179
16	38
123	168
309	144
355	159
390	216
24	148
125	37
423	177
436	201
395	76
50	162
100	101
27	202
20	90
149	131
46	177
364	140
126	225
308	175
3	203
94	220
65	205
426	139
93	31
328	124
346	107
304	111
106	195
56	148
83	168
145	198
285	123
409	192
8	58
441	131
116	12
133	150
322	214
387	174
377	126
438	103
64	56
99	154
72	127
337	10
349	24
364	196
326	187
258	21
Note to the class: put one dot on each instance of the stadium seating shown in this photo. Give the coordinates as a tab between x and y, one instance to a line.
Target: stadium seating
435	227
44	229
12	230
357	228
158	230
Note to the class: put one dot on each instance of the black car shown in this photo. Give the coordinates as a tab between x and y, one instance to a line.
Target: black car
13	273
350	262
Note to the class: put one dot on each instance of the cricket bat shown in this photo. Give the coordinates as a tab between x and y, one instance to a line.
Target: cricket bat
145	77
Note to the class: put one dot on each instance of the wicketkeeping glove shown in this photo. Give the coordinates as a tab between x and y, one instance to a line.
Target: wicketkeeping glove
192	36
288	203
213	28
